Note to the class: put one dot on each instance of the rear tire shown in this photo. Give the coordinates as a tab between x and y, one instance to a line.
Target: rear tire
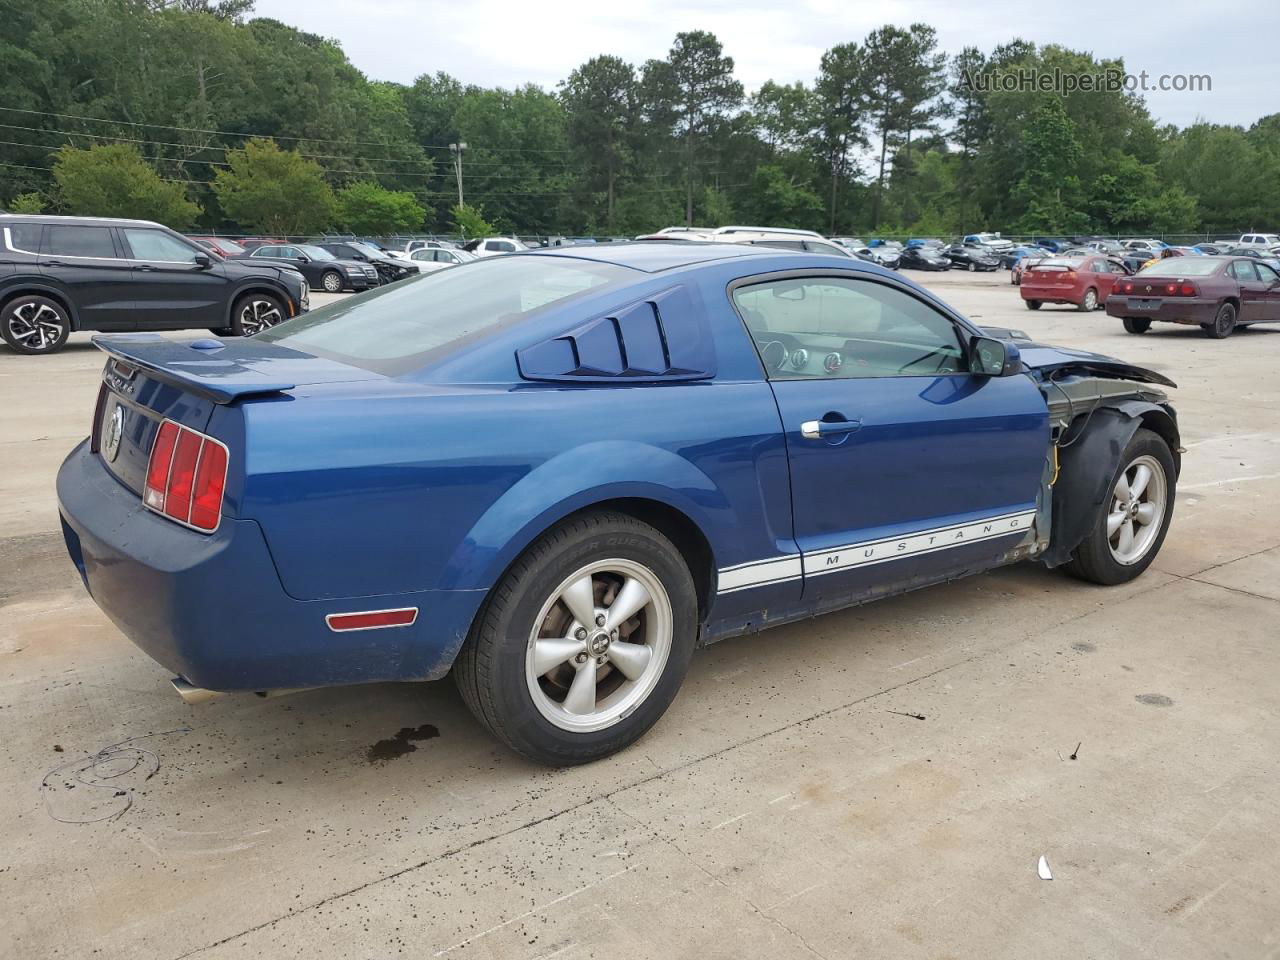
1224	324
255	312
1105	556
33	325
1136	324
1032	304
531	708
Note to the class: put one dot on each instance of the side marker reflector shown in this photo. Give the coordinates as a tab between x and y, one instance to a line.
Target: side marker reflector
372	619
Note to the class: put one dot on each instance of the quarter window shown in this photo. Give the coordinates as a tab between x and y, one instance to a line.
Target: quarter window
155	245
825	327
90	242
25	237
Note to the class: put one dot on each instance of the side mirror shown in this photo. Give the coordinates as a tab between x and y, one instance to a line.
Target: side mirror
989	357
302	259
203	261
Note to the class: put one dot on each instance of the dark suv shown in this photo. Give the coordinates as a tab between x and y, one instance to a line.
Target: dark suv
61	274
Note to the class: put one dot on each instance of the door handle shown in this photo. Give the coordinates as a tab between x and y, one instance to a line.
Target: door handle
146	266
819	429
54	263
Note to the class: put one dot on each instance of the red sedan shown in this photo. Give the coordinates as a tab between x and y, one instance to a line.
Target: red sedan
1084	282
1218	293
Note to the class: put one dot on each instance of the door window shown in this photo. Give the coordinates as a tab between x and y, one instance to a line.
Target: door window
157	245
77	241
1243	270
828	327
1266	274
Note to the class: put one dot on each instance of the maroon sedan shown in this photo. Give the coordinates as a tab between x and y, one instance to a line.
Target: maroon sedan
1218	293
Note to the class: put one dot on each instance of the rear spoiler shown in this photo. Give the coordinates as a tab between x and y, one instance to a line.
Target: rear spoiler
193	366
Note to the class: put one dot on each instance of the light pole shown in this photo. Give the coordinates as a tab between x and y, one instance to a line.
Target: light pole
456	149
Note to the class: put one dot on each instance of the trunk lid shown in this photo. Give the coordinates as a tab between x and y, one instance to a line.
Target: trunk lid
149	379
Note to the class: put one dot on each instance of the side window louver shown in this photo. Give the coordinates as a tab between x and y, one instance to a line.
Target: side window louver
663	337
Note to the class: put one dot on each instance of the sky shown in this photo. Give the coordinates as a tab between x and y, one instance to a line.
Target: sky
507	43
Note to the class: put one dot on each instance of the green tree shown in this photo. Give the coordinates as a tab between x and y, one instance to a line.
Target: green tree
841	103
969	127
470	222
600	100
273	190
780	199
692	93
114	181
367	208
27	203
1048	184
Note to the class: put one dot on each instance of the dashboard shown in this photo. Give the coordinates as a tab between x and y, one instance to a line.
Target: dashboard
789	356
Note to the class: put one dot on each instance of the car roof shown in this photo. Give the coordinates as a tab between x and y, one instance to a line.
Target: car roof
81	221
653	256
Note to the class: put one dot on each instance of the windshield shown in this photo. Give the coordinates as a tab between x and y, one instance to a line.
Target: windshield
228	248
316	253
1182	267
368	248
394	329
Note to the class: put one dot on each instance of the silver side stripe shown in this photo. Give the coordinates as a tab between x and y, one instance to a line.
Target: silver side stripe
915	544
747	575
760	573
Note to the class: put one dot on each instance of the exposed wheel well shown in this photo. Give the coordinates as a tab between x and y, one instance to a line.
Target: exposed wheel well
10	295
1162	424
681	531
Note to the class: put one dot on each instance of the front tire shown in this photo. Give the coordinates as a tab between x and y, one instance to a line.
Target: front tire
1134	519
256	312
32	325
973	267
583	644
1136	324
331	281
1090	301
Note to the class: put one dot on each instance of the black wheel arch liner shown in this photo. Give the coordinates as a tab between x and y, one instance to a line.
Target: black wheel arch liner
1088	462
17	286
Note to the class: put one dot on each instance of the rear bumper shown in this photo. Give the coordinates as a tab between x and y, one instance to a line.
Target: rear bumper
212	608
1050	294
1187	310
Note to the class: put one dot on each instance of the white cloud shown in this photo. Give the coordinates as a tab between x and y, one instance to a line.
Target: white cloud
511	42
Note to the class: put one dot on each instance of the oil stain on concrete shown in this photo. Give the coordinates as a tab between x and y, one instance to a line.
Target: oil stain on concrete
1154	699
403	742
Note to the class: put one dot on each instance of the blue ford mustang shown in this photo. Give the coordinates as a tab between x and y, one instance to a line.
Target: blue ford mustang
555	474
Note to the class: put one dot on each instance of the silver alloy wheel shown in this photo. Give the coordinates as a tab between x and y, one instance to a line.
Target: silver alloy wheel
1090	300
257	315
599	645
1138	504
37	326
332	282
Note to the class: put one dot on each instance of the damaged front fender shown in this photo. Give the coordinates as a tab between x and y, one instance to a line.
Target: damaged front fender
1089	451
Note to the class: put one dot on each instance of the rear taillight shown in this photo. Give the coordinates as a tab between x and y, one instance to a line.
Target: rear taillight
186	476
1127	287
